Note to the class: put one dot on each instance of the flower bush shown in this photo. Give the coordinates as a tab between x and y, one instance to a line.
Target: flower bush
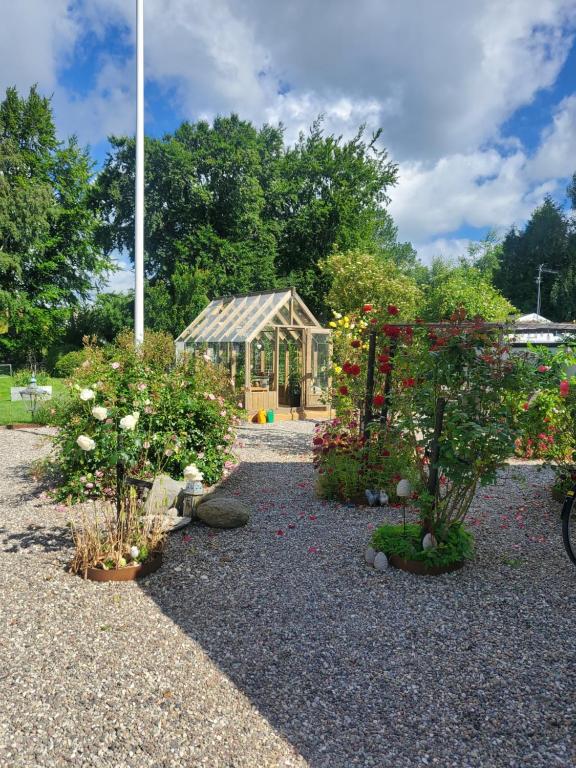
440	411
143	410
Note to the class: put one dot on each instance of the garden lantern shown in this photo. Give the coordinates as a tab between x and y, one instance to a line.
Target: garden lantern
33	395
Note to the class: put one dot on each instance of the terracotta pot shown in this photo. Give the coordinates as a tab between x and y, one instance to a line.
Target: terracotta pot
421	568
128	573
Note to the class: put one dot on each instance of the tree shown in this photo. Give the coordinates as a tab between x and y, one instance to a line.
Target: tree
358	278
231	205
49	260
452	288
331	197
545	240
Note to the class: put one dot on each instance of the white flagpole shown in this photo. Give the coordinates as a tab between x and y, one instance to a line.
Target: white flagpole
139	191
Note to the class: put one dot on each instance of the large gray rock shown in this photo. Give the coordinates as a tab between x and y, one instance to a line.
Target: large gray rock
223	512
164	495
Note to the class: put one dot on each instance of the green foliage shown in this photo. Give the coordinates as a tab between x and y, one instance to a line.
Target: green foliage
549	238
406	542
49	260
463	287
67	364
357	278
347	464
245	212
184	415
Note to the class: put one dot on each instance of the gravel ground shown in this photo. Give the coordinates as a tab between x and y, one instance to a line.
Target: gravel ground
275	645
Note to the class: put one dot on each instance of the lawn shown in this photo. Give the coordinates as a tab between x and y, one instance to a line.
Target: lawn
17	412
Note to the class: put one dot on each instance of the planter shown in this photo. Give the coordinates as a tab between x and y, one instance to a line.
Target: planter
421	568
128	573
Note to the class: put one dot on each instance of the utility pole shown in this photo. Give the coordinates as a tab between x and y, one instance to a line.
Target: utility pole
542	268
139	189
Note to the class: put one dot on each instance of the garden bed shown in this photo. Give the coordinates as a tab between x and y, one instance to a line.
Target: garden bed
283	648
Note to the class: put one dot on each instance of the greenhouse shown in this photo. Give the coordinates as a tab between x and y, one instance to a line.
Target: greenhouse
277	353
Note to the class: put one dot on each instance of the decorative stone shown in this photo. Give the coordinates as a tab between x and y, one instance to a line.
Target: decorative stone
163	495
381	562
428	542
369	555
223	512
371	497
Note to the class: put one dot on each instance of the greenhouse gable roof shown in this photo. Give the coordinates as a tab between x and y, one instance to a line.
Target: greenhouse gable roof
241	318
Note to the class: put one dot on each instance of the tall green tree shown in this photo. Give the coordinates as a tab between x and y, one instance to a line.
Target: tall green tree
547	240
49	259
231	209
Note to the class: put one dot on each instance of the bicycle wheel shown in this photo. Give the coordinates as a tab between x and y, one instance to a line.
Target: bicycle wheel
569	524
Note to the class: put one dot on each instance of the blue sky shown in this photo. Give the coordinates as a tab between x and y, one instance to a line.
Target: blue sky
477	101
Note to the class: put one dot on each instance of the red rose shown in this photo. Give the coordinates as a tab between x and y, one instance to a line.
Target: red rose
392	331
317	441
346	366
343	391
392	310
525	406
564	388
354	370
367	308
385	452
543	368
378	400
408	382
383	358
385	368
356	343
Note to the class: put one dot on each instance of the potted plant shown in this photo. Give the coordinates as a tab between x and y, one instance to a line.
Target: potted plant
118	545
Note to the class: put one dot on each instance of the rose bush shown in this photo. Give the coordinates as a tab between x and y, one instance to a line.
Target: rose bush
441	410
142	409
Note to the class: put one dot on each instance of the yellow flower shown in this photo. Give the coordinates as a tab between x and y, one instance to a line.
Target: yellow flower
337	369
332	324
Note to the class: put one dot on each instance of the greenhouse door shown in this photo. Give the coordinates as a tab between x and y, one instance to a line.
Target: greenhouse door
290	368
317	367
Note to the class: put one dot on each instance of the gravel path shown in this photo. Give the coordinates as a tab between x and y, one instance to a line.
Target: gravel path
254	648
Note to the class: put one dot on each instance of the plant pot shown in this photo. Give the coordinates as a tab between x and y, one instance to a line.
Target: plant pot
128	573
421	568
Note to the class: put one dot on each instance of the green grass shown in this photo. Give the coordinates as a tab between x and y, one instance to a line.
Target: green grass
17	413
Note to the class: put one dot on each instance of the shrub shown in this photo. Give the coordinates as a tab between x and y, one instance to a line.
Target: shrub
164	416
67	364
406	542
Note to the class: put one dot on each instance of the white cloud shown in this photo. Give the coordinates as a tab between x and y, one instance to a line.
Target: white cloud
122	280
440	78
448	248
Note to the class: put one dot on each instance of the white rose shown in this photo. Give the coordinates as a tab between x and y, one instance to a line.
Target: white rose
134	552
86	443
99	412
128	422
193	474
403	488
87	394
136	415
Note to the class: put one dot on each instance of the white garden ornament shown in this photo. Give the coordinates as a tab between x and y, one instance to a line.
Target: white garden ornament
193	474
87	394
403	489
85	442
100	413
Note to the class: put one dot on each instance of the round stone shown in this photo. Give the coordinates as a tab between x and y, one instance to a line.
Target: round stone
369	555
381	562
